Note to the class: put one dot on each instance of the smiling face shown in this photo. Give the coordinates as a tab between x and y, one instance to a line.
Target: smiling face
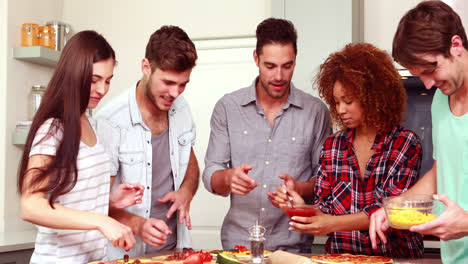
276	67
445	74
103	71
163	87
348	107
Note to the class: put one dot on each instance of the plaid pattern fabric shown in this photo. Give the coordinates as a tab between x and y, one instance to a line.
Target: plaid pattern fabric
390	171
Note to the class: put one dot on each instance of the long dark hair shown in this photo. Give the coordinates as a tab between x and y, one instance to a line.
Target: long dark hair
65	100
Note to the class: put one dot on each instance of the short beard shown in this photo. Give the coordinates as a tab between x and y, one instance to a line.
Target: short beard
149	95
265	87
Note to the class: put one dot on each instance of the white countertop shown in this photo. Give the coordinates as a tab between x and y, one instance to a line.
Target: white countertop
12	241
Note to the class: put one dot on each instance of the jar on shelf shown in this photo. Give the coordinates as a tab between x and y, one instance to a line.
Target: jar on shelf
29	35
37	92
47	37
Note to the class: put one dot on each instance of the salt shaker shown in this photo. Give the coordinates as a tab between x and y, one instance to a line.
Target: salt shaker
257	233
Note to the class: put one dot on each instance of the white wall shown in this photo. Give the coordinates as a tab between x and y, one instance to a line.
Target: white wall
381	18
3	85
19	79
127	25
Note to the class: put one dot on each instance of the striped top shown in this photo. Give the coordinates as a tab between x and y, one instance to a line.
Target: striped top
91	193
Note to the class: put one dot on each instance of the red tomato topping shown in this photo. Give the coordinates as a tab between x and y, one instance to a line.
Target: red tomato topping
240	248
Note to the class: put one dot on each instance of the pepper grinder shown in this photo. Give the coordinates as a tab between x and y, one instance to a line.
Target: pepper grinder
257	233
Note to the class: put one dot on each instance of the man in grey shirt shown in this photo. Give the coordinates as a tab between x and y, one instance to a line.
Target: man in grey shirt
264	134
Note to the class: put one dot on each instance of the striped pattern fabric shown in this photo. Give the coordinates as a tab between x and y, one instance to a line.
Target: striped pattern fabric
392	169
91	193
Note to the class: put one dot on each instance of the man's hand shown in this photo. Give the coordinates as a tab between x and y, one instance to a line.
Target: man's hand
289	181
125	195
377	227
451	224
180	202
154	232
240	181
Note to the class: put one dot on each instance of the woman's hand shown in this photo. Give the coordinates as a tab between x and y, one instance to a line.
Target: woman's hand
125	195
318	225
283	196
119	234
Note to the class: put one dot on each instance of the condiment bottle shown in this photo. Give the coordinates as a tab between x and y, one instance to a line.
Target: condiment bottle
37	92
29	35
47	37
257	239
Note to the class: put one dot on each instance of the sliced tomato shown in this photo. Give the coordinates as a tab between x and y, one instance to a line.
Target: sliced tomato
193	259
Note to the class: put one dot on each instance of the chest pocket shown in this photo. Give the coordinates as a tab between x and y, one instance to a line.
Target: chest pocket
297	151
131	163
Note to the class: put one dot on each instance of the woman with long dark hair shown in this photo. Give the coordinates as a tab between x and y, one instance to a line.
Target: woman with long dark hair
64	175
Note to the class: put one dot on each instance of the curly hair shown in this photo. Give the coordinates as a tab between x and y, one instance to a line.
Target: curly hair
369	75
275	31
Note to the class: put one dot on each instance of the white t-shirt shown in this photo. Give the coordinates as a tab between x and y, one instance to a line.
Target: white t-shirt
91	193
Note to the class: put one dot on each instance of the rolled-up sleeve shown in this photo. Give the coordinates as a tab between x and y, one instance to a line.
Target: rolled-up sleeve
218	154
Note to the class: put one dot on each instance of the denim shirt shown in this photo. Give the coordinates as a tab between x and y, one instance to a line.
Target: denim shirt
134	152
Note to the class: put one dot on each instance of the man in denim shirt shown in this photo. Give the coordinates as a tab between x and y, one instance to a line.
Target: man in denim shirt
262	135
155	149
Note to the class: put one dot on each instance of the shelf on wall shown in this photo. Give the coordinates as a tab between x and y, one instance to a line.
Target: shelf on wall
37	54
19	138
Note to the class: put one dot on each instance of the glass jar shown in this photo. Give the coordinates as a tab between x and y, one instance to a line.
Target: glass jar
257	239
29	35
37	91
47	37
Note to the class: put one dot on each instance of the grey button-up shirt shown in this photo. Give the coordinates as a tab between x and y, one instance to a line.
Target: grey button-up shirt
240	133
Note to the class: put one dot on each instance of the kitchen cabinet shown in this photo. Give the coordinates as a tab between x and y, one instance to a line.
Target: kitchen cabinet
38	55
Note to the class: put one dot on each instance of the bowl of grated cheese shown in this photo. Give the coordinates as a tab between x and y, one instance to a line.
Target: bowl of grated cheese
409	210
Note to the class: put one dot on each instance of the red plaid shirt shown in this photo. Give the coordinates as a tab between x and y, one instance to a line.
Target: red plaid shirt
390	171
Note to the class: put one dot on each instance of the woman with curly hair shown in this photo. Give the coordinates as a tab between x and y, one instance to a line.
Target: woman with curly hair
370	158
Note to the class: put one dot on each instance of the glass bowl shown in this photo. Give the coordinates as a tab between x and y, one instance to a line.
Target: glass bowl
306	210
404	212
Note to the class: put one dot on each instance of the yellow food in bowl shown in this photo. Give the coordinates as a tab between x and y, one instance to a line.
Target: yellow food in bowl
409	217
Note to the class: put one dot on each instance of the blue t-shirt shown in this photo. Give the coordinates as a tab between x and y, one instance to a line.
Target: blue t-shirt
450	140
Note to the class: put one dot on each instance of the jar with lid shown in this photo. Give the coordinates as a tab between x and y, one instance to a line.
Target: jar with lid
257	239
29	35
37	91
47	37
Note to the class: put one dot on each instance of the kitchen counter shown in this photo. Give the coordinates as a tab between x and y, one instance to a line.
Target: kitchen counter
13	241
395	260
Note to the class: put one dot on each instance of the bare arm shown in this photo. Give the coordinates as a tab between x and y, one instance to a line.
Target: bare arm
192	176
323	224
427	184
35	208
306	189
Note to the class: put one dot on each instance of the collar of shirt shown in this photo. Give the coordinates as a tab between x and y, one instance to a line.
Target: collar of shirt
381	140
293	97
135	113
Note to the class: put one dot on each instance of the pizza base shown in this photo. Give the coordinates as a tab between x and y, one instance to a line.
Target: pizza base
346	258
162	259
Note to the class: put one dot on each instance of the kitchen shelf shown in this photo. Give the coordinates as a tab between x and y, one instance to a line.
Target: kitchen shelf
19	138
37	54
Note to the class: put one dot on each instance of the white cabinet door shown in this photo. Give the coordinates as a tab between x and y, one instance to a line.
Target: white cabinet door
223	66
322	27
